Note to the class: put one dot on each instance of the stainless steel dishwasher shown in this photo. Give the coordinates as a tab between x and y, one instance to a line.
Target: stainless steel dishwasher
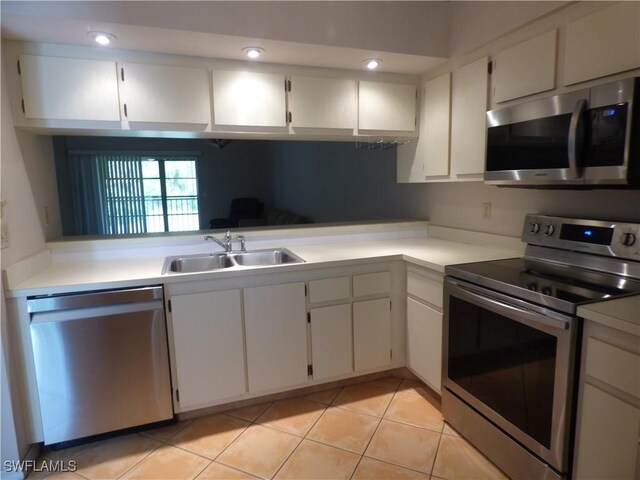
102	361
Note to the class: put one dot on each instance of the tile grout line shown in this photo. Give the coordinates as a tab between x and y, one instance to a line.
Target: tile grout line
326	407
161	443
377	427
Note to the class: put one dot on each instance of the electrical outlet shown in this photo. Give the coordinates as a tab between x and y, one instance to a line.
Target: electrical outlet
4	234
486	210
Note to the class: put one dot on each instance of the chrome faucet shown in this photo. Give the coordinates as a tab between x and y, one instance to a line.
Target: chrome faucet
226	244
243	243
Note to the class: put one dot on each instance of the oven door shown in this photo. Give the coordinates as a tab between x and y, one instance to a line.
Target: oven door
512	362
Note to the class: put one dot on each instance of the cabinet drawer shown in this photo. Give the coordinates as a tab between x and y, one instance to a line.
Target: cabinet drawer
329	289
371	284
427	288
615	366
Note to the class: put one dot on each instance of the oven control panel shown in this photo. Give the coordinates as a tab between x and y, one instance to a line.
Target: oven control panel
600	237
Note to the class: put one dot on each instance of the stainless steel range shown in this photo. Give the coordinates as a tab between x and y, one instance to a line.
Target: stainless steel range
511	339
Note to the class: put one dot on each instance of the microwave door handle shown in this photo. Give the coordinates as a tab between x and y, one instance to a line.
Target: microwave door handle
575	166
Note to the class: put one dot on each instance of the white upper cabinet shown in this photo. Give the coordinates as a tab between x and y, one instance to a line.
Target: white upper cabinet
322	103
603	43
434	126
526	68
69	88
166	94
469	119
249	99
386	106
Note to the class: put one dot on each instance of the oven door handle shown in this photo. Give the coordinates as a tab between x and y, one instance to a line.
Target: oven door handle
532	316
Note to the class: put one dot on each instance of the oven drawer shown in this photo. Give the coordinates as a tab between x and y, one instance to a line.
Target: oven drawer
614	366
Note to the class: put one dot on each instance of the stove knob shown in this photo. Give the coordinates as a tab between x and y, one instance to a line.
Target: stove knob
534	227
628	239
549	229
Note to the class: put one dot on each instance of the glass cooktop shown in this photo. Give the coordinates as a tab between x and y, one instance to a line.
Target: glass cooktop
545	283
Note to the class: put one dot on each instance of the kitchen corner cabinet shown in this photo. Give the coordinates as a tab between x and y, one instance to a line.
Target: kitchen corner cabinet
603	43
249	99
208	346
608	423
157	94
56	88
469	98
526	68
387	107
276	336
424	325
328	103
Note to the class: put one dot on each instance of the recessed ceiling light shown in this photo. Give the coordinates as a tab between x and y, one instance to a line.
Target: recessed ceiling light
102	38
372	63
253	52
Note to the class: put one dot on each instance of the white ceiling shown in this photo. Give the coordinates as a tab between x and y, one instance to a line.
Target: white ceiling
411	37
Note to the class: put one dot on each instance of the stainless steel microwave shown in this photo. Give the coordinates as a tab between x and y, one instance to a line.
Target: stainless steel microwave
587	138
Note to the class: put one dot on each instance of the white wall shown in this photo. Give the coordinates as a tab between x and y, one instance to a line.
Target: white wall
27	168
475	23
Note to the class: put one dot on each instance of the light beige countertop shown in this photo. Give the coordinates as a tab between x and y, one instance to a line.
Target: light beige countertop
428	252
622	314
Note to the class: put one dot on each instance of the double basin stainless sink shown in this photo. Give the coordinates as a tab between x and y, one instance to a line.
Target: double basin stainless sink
221	261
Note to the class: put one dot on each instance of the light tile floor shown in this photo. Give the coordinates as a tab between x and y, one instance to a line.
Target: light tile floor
382	429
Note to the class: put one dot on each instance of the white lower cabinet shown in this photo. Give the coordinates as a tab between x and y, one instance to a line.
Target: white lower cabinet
276	336
608	420
371	334
331	341
208	346
608	437
424	342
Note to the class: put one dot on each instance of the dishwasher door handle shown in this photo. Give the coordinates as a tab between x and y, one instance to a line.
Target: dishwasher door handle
93	312
79	300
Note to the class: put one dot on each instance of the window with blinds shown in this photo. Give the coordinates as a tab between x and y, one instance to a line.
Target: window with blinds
129	194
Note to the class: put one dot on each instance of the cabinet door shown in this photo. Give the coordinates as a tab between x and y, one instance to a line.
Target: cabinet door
69	88
331	343
424	342
386	106
166	94
276	336
607	437
208	346
526	68
322	103
604	43
469	119
434	128
371	334
249	99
